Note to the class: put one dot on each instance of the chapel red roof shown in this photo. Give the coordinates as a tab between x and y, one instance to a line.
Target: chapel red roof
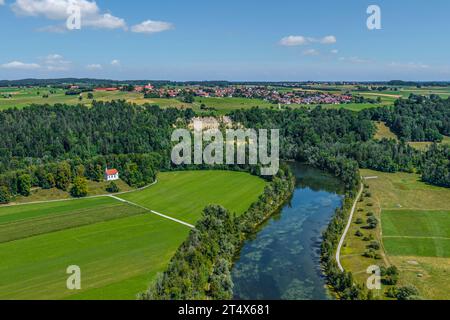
111	172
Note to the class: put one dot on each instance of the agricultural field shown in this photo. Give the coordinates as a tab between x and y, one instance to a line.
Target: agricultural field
414	232
119	246
187	205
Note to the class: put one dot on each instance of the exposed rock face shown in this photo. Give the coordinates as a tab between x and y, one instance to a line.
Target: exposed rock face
212	122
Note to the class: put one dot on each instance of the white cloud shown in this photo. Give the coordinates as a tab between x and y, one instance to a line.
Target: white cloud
151	26
294	41
105	21
56	62
328	40
2	2
311	52
410	65
354	60
115	63
94	66
57	10
291	41
334	51
20	65
53	29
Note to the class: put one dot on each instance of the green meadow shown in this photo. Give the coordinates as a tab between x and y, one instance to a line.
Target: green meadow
118	246
208	187
415	232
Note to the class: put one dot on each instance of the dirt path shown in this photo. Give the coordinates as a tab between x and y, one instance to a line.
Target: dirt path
349	223
152	211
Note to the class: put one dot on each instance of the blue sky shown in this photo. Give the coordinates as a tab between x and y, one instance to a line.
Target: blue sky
226	40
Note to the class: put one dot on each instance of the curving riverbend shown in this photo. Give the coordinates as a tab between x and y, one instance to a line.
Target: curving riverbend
282	259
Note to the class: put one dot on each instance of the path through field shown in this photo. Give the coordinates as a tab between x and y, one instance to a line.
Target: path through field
349	223
152	211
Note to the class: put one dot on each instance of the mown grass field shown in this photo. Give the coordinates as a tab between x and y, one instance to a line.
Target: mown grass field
208	187
119	247
414	232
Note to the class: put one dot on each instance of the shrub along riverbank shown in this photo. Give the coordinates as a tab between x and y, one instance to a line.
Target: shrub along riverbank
201	268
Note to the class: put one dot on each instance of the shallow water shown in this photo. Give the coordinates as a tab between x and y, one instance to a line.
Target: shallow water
282	259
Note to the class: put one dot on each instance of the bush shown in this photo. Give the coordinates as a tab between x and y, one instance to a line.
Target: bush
79	188
49	181
112	187
24	185
5	195
406	293
358	233
372	223
390	275
375	245
359	221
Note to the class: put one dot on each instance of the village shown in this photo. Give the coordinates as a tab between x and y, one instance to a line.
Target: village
266	93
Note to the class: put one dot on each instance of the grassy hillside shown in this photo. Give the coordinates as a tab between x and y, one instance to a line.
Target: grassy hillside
119	247
384	132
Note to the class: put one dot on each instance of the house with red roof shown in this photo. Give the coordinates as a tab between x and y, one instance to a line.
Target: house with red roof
111	174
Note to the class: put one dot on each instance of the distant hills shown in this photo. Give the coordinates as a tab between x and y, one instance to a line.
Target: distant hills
109	82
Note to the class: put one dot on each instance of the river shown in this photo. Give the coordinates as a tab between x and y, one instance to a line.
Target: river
282	259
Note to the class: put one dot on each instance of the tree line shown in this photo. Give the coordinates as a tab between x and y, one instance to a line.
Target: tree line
41	134
418	118
137	170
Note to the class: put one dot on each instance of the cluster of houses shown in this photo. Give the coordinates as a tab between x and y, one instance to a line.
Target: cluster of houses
265	93
260	92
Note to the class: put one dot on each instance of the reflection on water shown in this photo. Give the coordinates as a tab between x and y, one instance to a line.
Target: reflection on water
282	259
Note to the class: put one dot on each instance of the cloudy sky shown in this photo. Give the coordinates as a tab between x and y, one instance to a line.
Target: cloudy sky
225	40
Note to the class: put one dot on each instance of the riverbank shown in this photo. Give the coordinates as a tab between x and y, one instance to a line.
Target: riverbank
281	259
